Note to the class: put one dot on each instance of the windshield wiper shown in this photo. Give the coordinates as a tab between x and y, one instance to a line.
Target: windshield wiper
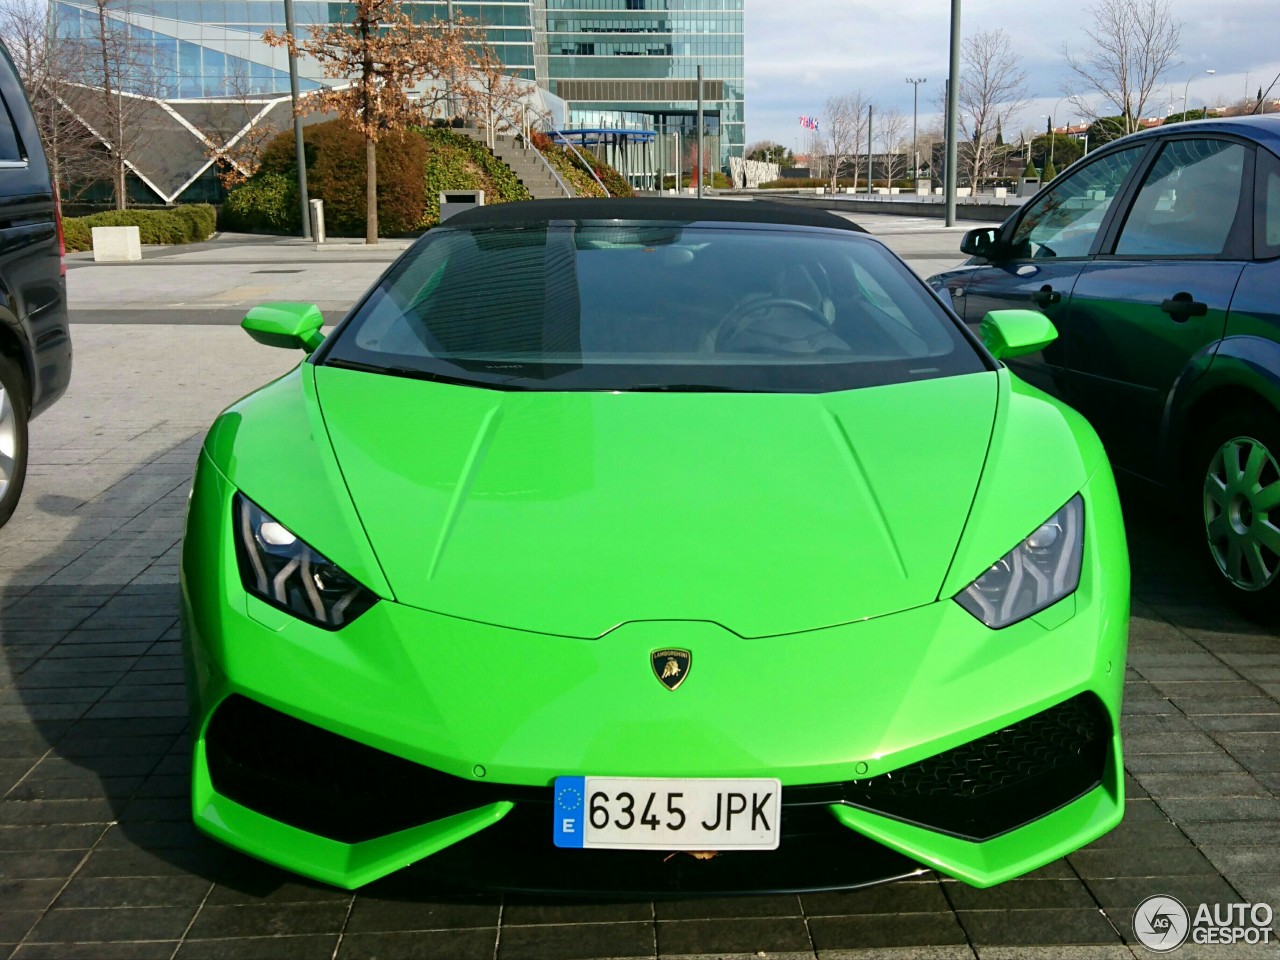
685	388
413	373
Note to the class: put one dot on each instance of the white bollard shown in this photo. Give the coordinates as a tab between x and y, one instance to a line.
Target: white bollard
317	221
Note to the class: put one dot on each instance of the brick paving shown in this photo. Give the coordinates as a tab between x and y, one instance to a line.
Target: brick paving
98	857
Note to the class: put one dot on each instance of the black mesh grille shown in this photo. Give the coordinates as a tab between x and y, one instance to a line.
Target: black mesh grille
1002	780
327	784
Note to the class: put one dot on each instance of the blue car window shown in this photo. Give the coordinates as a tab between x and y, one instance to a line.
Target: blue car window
1268	200
1188	203
1063	221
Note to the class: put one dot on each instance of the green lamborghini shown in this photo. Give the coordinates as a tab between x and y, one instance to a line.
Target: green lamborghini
661	546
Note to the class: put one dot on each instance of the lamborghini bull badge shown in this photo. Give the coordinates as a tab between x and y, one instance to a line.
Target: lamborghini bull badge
671	666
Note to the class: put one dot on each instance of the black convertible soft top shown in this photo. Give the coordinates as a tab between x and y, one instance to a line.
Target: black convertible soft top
675	209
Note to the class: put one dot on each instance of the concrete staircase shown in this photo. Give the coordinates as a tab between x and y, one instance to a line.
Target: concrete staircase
524	163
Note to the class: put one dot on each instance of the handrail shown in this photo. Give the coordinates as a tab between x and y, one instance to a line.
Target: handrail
547	163
525	131
528	140
590	168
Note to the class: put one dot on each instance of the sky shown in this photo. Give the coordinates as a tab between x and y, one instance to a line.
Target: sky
800	52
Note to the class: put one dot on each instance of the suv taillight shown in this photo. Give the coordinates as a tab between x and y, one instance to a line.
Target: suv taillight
62	240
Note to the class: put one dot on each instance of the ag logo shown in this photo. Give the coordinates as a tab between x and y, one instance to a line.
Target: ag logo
671	666
1161	923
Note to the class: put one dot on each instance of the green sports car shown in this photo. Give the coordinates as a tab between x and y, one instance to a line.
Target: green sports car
655	546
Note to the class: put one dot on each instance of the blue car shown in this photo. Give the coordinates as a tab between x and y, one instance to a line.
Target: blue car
1157	257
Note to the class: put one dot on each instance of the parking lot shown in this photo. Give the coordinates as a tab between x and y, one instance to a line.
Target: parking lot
97	854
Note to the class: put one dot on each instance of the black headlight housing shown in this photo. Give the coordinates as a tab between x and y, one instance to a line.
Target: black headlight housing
278	567
1037	573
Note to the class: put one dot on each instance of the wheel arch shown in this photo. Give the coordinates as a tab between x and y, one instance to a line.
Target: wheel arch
14	346
1245	371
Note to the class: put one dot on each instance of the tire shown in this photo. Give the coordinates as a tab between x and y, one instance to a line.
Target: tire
1234	493
13	436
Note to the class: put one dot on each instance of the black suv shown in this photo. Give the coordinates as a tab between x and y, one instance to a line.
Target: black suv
35	343
1158	259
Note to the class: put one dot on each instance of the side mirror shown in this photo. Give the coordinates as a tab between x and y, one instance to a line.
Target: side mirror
983	242
294	326
1016	333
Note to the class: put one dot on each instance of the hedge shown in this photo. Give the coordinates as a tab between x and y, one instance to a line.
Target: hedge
716	181
268	201
335	157
795	183
458	162
189	223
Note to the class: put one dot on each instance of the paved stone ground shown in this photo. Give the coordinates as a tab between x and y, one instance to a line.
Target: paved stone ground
98	858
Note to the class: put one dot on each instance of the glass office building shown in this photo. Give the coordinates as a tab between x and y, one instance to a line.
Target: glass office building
590	63
643	55
214	48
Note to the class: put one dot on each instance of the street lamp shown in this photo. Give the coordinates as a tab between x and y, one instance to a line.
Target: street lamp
300	156
1186	104
953	107
1053	128
915	118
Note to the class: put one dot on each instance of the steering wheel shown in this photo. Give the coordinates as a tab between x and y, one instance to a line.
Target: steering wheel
744	317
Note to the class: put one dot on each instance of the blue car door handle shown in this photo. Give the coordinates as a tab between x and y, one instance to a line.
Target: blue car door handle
1182	307
1046	296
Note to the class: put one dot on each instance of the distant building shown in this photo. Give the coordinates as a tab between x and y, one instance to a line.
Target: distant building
599	64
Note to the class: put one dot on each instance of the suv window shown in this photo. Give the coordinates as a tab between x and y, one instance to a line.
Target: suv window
1267	224
1064	221
1188	203
10	151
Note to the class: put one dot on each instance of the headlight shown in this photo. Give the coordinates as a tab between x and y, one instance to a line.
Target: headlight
1035	574
285	572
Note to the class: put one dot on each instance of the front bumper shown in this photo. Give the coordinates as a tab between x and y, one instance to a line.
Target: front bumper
497	714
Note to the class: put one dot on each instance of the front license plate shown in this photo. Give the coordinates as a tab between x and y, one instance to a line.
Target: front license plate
666	814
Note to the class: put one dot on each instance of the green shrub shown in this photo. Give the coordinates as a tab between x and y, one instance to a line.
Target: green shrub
716	180
77	235
266	202
185	224
335	158
1031	173
1049	171
577	174
457	162
797	183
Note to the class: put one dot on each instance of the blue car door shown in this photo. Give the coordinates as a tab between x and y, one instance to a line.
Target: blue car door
1149	310
1046	247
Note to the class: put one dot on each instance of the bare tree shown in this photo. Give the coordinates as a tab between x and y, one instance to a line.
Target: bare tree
47	64
891	128
841	132
490	90
993	87
236	136
1133	43
384	54
114	59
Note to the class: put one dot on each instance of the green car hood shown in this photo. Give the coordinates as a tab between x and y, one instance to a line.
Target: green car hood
570	513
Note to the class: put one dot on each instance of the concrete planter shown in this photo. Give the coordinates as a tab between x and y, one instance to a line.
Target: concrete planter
116	244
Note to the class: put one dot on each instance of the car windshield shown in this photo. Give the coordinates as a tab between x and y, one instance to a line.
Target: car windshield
652	306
